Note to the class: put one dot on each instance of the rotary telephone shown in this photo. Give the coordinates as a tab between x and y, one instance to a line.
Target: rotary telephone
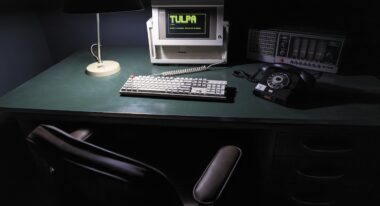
282	83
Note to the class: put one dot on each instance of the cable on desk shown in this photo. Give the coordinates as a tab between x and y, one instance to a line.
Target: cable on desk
188	70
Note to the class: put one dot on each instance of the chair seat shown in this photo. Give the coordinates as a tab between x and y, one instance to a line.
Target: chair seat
83	172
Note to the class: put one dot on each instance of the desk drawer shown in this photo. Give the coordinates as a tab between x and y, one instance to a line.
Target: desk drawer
287	169
321	194
316	144
329	145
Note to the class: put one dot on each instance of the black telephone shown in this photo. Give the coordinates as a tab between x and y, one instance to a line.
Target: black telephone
282	83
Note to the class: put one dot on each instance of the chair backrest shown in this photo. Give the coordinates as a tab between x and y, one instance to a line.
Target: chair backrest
85	173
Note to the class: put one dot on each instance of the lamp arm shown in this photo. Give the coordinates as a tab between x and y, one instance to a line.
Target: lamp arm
98	57
98	31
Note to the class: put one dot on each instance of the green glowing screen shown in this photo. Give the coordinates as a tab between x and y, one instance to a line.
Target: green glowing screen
187	23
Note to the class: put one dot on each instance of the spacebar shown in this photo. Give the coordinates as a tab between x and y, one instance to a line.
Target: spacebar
156	91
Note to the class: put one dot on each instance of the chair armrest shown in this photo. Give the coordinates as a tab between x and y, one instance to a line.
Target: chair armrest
81	134
213	180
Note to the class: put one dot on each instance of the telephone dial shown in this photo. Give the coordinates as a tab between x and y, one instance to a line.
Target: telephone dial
282	83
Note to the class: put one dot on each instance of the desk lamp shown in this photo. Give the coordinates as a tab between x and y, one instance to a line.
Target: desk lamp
101	67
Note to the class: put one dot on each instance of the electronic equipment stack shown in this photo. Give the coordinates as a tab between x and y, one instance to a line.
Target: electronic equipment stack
314	51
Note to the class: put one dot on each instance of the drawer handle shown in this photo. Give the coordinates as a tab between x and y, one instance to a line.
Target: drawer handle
303	202
319	177
332	151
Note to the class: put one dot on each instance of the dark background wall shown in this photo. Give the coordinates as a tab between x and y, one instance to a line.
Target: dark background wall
66	33
24	49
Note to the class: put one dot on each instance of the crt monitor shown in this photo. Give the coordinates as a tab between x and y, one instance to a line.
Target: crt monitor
188	32
192	23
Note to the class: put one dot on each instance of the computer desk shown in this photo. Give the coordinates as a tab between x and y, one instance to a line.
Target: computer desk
345	109
65	92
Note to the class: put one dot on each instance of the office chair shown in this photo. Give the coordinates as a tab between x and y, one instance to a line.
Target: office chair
84	173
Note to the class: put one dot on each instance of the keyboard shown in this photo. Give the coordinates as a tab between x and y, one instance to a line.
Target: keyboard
175	87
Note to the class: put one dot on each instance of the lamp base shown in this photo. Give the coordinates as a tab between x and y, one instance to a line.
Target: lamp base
105	68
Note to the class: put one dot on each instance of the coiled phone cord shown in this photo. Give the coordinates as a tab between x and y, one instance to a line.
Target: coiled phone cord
188	70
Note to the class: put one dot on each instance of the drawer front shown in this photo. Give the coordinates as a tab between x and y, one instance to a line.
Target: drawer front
326	168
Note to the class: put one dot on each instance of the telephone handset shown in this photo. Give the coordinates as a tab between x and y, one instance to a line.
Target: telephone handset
280	83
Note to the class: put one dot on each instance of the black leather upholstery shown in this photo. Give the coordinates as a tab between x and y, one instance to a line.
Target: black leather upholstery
211	184
81	134
88	174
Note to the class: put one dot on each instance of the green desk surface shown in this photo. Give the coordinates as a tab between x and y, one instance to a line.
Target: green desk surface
66	89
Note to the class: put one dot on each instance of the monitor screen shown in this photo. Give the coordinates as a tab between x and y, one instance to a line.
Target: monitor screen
187	23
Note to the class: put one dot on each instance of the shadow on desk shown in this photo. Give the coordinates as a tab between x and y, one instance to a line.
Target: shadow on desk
325	95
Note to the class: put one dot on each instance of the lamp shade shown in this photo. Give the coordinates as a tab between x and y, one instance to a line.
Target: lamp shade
100	6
